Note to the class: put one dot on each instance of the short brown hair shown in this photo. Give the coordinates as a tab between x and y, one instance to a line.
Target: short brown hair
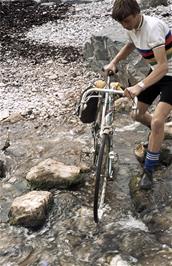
124	8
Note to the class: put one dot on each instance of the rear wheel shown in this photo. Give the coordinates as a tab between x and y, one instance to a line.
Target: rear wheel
101	177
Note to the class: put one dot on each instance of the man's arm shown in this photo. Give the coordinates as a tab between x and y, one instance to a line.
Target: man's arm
159	72
121	55
160	69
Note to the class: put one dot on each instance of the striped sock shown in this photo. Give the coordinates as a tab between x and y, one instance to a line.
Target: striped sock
151	161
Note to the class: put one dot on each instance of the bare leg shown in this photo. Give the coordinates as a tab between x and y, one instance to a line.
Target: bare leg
157	126
155	140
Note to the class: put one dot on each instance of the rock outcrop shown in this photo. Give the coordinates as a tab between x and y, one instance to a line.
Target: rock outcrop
102	48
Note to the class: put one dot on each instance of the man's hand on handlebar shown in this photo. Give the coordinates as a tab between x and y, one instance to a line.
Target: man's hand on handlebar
132	91
111	67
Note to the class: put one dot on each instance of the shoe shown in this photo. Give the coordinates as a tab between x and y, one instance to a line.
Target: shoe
140	152
146	181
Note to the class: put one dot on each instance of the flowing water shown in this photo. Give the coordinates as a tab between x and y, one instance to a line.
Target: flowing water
70	236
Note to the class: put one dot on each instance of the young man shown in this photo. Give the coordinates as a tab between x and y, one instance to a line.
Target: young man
153	39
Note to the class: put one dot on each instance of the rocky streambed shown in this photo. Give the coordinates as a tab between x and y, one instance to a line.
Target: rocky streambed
42	75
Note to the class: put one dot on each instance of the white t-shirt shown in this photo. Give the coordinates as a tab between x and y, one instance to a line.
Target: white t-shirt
151	34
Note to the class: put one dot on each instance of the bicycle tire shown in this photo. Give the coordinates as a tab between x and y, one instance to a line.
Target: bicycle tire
96	130
101	177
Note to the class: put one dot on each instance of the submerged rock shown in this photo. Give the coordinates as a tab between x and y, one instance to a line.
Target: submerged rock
30	210
51	173
155	206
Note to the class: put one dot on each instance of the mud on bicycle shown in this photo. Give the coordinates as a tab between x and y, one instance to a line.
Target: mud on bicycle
102	131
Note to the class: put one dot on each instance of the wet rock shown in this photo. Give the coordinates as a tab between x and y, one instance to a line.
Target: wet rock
160	195
123	104
2	169
51	173
30	210
65	202
160	221
6	144
138	243
84	167
155	206
162	257
168	130
12	247
117	260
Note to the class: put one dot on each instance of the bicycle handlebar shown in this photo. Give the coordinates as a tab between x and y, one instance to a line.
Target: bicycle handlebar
86	93
112	91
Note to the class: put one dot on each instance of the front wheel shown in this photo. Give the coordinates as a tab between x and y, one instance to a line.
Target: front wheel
102	172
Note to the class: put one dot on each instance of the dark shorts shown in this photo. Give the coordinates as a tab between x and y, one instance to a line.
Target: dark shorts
163	88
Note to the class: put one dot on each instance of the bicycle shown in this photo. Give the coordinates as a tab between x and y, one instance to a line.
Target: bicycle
102	132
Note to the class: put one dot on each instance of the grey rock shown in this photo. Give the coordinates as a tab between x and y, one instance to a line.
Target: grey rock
102	48
144	4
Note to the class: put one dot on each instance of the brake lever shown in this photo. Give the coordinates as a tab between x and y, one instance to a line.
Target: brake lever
134	103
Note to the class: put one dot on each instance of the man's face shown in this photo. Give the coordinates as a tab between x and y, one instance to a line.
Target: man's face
131	22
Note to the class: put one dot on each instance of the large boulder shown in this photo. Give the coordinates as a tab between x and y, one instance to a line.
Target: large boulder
102	48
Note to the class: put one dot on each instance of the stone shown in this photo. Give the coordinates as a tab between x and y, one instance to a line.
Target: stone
14	118
51	173
123	104
117	260
30	210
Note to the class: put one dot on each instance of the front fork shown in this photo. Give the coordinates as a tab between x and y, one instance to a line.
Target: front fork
113	159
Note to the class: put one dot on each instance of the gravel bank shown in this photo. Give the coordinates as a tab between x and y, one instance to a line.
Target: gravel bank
47	81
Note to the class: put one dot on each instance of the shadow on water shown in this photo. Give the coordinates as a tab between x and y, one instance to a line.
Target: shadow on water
17	17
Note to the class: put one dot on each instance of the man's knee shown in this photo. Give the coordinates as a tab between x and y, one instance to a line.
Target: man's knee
157	125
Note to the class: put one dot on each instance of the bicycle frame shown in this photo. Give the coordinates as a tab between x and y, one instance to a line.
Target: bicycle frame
107	94
102	131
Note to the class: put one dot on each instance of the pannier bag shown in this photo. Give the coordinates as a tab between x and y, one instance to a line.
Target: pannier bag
88	114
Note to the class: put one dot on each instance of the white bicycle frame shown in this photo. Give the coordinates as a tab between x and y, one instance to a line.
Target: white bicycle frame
106	121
